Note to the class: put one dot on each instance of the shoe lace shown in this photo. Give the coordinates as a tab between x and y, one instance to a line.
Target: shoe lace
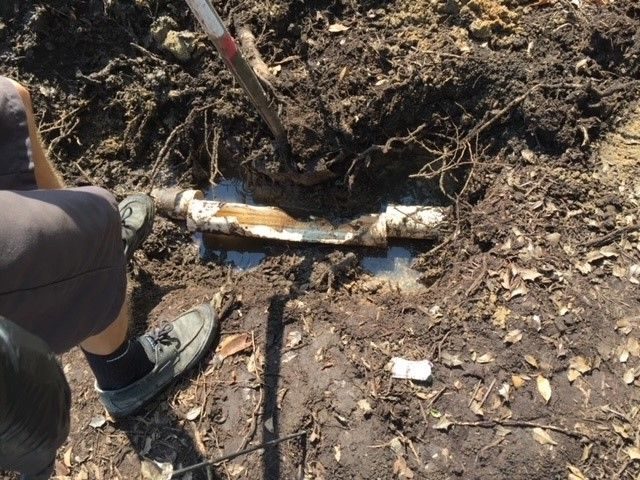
161	336
124	216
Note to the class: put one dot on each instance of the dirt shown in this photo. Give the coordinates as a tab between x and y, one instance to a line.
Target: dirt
519	114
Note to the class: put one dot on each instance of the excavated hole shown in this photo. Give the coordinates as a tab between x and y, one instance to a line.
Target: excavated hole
392	265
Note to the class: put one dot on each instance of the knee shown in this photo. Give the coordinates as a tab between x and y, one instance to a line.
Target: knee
24	94
104	201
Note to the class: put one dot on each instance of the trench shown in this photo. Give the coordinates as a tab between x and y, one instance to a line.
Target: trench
391	265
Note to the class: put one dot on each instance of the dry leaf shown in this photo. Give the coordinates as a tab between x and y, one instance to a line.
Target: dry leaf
504	391
401	469
580	364
619	271
365	406
625	325
477	409
234	344
396	445
234	469
337	453
519	291
294	339
67	457
575	473
514	336
193	413
152	470
542	437
577	367
531	360
337	28
624	431
633	452
449	360
544	387
97	421
444	423
573	375
633	345
624	356
609	251
486	358
584	268
629	376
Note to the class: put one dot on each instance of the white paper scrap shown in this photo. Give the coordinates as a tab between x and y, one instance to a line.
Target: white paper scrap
412	369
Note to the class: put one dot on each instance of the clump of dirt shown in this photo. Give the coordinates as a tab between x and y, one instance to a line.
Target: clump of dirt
340	94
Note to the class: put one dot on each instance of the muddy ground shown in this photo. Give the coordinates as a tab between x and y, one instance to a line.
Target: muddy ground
520	115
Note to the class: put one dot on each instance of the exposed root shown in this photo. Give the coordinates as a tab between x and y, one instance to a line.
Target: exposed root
250	50
170	142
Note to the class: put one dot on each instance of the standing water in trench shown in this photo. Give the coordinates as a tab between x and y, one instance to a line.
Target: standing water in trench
392	265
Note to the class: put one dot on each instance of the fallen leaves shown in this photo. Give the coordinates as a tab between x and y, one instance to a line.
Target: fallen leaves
294	339
234	344
67	457
575	473
514	336
633	452
624	430
578	366
193	413
504	391
630	376
449	360
152	470
486	358
337	28
542	437
98	421
531	360
544	388
365	406
605	252
444	423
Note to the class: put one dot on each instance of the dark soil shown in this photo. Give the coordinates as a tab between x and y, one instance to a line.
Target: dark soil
517	113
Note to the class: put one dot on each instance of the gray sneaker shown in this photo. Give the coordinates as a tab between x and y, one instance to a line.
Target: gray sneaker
175	348
137	213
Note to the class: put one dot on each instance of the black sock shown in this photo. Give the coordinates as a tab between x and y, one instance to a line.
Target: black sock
127	364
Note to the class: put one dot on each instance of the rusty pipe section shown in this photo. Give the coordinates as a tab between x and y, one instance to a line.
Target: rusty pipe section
239	219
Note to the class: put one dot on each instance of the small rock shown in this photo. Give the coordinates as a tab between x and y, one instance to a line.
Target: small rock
180	44
97	421
161	28
480	29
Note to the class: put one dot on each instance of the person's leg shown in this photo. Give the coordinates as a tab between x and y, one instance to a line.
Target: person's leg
64	271
46	175
111	338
